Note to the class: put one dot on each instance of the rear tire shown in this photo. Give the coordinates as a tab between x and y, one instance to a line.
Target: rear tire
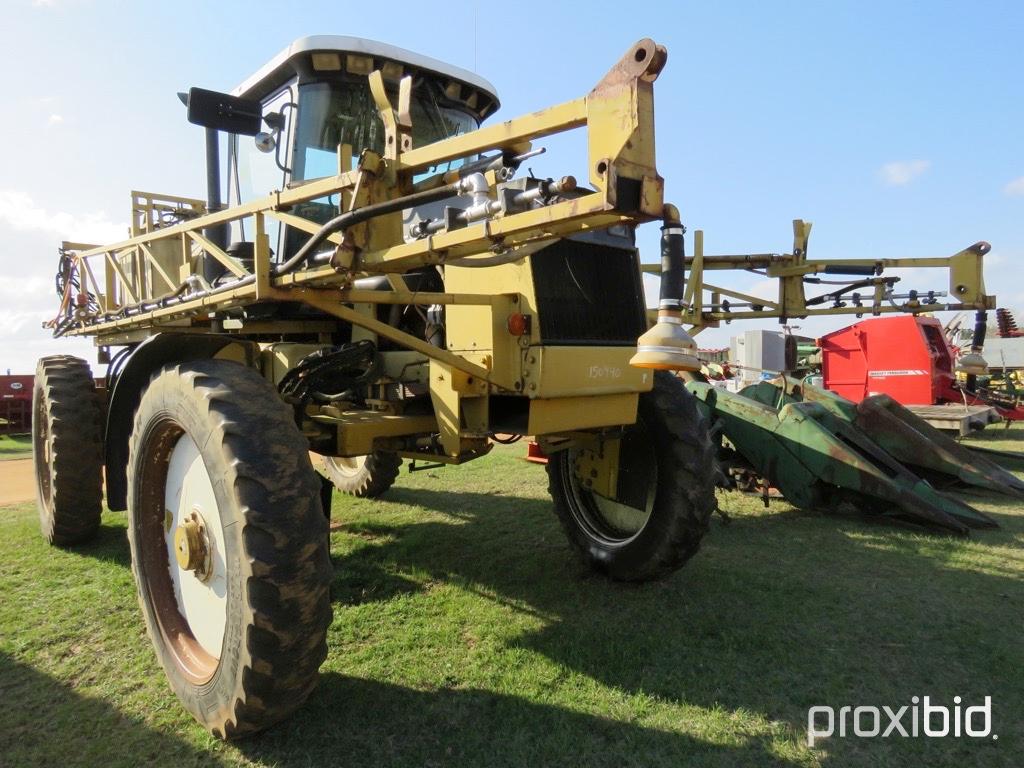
229	545
67	450
669	459
364	476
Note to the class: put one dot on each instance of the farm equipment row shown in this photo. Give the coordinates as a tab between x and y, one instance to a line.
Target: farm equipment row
820	450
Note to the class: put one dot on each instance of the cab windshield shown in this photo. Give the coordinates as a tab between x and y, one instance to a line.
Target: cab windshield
343	112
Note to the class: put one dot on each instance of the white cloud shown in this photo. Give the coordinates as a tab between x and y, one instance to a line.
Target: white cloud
1015	187
55	119
25	289
763	289
901	172
27	294
19	352
27	303
14	322
20	212
43	3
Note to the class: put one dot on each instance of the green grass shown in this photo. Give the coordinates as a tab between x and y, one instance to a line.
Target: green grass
465	634
15	447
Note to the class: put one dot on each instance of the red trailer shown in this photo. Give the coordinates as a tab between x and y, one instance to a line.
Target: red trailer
15	404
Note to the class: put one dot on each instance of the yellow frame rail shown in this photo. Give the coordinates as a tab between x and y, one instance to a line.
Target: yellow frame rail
705	302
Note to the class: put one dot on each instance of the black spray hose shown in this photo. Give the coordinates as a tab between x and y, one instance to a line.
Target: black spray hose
673	261
980	325
666	345
360	215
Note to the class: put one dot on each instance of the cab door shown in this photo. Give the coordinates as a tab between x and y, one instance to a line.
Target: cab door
256	169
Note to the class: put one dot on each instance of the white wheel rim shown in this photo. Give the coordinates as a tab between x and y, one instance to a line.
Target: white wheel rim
610	521
202	603
348	465
625	517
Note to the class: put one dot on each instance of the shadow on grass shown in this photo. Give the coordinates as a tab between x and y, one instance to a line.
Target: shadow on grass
45	723
350	721
776	614
779	612
109	545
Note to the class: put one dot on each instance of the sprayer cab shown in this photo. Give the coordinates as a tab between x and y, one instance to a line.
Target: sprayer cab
285	124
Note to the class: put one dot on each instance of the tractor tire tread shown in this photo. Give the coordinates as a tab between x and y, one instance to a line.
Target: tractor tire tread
74	412
285	535
376	476
687	496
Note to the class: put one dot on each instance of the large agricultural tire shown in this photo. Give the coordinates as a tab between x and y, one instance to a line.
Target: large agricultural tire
364	476
229	545
666	491
67	450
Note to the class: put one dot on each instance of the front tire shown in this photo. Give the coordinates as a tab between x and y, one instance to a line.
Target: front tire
67	450
364	476
229	545
665	491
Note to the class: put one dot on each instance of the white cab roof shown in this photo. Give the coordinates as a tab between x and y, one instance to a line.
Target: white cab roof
275	71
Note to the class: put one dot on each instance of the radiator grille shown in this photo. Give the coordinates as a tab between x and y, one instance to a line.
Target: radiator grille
588	293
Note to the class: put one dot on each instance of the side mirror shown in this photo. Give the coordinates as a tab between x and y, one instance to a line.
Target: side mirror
224	112
265	142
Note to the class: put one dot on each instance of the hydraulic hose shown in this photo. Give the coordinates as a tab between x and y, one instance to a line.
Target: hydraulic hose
980	324
471	183
666	346
360	215
673	261
977	345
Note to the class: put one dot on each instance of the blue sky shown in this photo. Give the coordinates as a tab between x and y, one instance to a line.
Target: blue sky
898	129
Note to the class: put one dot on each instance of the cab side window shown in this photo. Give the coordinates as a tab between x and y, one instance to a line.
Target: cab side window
254	173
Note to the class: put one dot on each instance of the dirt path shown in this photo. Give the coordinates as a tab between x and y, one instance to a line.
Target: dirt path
16	481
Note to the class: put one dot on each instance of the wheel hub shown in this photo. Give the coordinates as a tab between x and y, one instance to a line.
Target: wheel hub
192	546
613	486
598	470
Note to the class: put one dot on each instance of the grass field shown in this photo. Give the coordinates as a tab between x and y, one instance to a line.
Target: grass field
465	634
15	446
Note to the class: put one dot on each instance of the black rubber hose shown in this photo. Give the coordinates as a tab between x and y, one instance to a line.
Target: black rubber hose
980	325
831	296
851	269
359	215
673	261
977	344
